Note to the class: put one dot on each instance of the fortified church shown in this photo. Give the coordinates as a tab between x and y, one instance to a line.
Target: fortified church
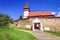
38	20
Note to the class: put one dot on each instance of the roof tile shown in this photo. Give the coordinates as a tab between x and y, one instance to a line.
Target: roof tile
39	13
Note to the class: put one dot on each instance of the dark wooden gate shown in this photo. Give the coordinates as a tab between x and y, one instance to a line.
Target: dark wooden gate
37	26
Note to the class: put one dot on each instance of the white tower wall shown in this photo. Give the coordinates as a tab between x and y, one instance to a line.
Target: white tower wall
26	14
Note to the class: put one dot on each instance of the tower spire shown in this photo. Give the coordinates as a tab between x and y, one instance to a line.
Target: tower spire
26	10
26	5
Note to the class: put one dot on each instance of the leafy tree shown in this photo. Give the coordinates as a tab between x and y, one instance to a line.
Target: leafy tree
5	20
20	17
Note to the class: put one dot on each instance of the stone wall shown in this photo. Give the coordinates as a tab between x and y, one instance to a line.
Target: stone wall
52	23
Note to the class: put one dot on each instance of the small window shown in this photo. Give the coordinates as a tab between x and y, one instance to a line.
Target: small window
27	22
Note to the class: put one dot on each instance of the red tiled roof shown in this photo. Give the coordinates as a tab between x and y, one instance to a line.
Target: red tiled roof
39	14
26	5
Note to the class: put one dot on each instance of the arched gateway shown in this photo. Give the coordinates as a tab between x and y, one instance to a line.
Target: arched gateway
37	24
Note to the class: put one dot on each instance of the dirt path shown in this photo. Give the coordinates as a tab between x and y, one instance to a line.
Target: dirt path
42	35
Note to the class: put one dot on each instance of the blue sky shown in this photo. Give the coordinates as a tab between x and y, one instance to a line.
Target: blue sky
14	8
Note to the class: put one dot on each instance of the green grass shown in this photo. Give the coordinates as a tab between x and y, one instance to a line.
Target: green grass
54	33
24	29
11	34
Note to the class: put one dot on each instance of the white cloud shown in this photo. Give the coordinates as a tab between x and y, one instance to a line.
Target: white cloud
53	13
58	15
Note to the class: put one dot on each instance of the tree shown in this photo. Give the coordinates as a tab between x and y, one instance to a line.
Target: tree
5	20
20	17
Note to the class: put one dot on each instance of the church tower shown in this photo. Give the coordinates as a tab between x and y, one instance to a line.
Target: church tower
26	10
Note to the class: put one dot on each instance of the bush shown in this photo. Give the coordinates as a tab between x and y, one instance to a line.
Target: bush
5	20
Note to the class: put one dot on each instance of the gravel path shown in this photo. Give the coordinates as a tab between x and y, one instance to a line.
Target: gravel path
42	35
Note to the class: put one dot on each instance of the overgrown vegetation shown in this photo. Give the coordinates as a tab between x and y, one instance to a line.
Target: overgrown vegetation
11	34
5	20
54	33
20	18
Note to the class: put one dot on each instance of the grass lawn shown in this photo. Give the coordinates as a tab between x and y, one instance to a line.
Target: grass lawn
11	34
24	29
54	33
